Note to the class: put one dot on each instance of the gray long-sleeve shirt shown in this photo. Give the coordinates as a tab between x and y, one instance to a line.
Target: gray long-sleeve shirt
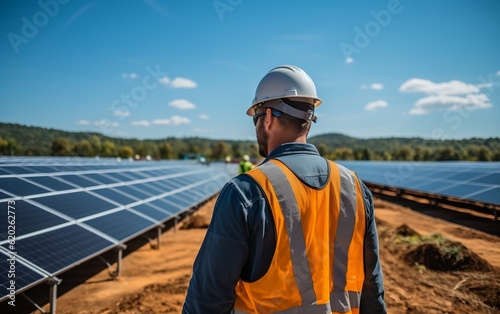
241	239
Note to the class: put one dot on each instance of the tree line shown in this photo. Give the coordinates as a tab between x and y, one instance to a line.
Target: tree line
20	140
341	147
164	149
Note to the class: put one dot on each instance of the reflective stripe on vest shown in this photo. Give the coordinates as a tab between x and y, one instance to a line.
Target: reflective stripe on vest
293	225
340	299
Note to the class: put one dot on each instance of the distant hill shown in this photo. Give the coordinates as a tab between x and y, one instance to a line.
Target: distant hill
20	139
38	141
412	148
386	144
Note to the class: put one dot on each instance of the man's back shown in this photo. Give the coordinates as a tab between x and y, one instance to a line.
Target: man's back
252	236
317	229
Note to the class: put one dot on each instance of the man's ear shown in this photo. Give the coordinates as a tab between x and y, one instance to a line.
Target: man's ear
268	119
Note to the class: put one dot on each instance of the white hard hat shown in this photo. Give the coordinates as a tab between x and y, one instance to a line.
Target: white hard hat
285	82
246	157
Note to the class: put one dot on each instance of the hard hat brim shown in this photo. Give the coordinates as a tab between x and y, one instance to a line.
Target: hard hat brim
314	101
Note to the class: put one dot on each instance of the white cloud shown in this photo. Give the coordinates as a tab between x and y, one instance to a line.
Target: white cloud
452	95
349	60
175	120
129	75
83	122
436	102
498	72
162	121
180	82
375	105
121	113
417	111
446	88
182	104
204	116
106	123
140	123
374	86
164	80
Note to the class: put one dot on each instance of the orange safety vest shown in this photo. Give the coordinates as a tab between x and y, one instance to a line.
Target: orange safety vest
318	264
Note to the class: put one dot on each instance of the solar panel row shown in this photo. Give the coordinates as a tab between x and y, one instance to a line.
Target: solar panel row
70	210
476	181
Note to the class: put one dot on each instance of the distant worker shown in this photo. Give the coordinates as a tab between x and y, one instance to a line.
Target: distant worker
246	164
296	234
202	160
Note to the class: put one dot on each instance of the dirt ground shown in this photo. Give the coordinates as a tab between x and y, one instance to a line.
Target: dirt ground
465	280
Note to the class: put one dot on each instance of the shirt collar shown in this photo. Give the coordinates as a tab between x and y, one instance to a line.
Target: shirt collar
292	148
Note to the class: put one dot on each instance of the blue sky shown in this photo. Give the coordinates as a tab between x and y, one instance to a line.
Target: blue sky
156	69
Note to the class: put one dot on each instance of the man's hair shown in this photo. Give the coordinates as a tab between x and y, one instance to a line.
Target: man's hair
299	126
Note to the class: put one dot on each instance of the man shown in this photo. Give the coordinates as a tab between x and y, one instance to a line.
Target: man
245	164
296	234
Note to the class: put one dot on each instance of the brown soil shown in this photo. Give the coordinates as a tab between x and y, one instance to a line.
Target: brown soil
430	266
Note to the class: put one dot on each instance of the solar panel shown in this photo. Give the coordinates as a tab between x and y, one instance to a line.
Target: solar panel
159	214
16	170
51	183
489	196
166	205
134	191
2	171
179	199
4	195
25	276
477	181
29	218
462	189
75	205
17	186
69	210
120	225
56	250
116	196
78	181
493	178
102	178
119	177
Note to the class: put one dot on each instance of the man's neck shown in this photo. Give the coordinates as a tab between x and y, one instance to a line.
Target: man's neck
283	140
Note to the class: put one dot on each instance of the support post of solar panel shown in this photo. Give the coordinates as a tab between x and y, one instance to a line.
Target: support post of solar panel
176	219
53	282
119	263
119	250
158	237
494	210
